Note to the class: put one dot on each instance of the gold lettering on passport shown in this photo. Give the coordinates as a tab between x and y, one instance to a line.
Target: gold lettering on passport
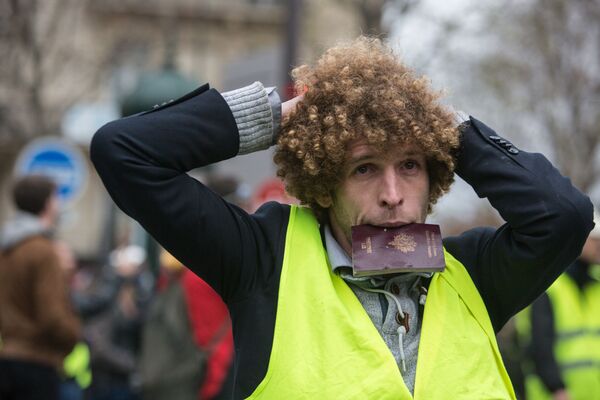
429	244
403	242
367	245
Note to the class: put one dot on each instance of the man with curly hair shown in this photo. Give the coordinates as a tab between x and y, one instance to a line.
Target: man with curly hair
366	143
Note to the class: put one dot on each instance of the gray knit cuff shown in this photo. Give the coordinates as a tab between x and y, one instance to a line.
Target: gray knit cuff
252	112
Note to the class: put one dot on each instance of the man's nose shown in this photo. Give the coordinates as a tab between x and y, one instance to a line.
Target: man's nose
391	192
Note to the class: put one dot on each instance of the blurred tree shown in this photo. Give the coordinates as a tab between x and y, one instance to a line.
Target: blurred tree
546	67
370	13
43	72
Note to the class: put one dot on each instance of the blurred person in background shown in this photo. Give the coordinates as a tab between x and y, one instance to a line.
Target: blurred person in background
170	363
37	324
211	326
77	376
562	331
114	333
368	142
187	345
271	189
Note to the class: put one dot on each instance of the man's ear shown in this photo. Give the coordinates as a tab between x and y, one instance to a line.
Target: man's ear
325	201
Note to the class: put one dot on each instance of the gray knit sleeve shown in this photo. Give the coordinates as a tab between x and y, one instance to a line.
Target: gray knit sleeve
253	115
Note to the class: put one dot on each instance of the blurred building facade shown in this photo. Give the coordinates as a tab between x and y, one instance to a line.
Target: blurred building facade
95	58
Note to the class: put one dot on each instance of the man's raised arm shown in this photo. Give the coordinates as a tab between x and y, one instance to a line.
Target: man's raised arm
548	220
143	160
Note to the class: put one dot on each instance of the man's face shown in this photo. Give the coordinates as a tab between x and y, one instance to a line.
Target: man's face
386	189
51	210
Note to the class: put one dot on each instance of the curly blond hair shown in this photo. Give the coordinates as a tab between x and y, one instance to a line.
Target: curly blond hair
361	90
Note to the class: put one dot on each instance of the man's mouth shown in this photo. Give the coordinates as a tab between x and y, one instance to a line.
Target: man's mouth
392	224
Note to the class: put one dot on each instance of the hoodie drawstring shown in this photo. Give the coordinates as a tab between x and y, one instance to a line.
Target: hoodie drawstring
402	329
401	332
403	322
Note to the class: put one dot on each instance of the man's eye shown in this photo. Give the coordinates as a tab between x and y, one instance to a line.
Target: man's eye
361	170
410	164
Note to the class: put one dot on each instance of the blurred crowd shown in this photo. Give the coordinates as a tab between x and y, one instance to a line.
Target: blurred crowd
117	331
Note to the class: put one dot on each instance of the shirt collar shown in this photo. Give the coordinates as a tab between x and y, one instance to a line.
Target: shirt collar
337	256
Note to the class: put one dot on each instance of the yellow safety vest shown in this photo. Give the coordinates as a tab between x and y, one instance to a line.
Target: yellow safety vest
77	365
326	347
577	343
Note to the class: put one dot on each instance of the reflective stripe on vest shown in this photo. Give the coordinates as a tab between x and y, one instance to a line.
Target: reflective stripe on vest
326	347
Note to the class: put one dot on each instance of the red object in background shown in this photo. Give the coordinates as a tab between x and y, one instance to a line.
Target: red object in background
271	189
289	91
208	313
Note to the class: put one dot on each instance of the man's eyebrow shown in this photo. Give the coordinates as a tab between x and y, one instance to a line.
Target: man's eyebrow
361	158
413	153
371	155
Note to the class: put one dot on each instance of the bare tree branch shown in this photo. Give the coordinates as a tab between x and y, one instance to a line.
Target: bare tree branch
44	68
553	46
370	13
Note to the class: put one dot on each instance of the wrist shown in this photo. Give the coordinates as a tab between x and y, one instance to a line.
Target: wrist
253	116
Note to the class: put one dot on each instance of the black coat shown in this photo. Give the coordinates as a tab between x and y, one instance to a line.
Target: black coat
143	160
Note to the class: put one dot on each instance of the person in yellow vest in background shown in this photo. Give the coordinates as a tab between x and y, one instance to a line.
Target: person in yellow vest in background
564	323
77	373
367	142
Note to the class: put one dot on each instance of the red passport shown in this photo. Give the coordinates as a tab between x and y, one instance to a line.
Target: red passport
409	248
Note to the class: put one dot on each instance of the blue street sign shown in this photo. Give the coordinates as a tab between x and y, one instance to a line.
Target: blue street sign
56	158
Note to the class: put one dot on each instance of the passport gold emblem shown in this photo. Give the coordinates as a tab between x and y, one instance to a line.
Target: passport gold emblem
403	242
367	245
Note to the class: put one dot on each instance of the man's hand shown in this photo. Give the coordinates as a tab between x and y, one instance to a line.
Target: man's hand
290	105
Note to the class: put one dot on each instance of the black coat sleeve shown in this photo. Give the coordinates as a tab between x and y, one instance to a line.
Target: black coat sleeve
543	336
143	160
547	222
